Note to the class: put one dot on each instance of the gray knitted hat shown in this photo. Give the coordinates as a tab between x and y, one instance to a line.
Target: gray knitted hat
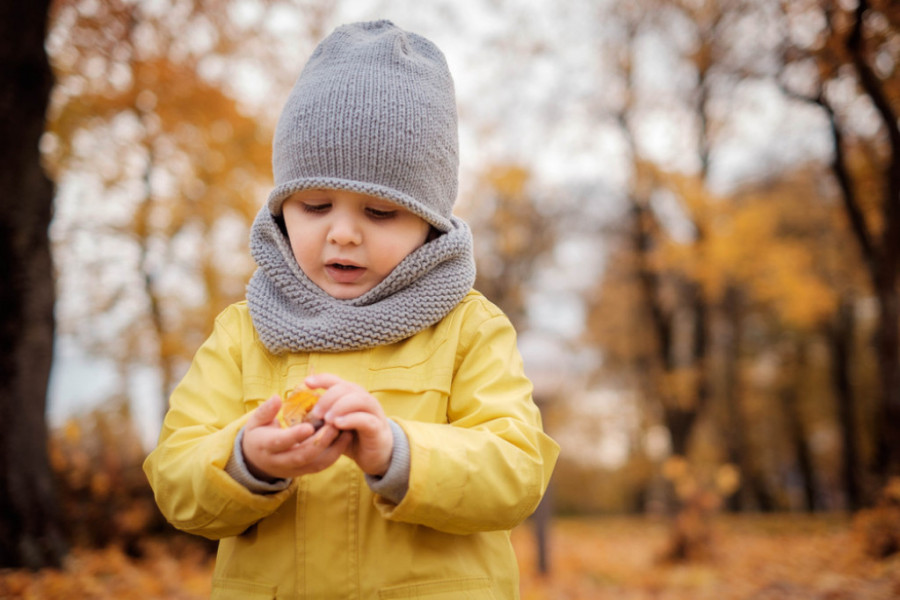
373	112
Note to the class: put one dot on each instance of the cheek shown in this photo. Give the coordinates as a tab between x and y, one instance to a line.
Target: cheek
403	244
303	249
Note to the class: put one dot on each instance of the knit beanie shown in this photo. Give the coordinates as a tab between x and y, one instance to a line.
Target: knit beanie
373	112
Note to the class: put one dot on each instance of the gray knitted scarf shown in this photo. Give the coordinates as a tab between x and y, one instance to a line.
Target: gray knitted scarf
292	314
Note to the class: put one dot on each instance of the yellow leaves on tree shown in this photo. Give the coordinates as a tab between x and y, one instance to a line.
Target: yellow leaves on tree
514	217
512	235
215	156
175	167
774	244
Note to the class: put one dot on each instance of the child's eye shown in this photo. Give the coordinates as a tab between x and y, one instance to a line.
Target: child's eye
377	213
313	207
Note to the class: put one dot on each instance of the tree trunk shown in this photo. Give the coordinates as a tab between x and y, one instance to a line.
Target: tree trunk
542	519
884	262
841	343
735	425
30	522
880	249
803	453
888	463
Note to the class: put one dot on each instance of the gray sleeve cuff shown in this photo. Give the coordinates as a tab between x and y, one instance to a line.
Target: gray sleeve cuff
395	482
237	468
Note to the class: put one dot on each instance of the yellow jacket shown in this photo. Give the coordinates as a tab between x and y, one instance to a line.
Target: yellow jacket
479	464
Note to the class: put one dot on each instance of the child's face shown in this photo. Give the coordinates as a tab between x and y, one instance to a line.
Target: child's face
346	242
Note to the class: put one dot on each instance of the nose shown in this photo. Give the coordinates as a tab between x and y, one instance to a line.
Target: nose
344	229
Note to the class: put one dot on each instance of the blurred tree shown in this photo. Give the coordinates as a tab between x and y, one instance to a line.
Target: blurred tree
156	113
661	338
846	60
513	235
722	258
774	260
30	522
676	307
840	334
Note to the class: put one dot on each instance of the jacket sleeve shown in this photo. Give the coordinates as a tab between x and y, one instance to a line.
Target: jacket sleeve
489	467
187	468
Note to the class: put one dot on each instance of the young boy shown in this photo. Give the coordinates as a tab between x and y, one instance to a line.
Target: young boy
431	448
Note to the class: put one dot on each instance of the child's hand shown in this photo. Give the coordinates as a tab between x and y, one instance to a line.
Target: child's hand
273	452
348	407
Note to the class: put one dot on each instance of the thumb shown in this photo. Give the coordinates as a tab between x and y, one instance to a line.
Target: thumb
264	413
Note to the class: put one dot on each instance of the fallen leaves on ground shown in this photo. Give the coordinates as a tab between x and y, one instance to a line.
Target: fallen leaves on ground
787	557
168	570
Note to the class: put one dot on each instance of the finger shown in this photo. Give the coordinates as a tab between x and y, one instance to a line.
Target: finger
343	442
322	380
334	393
285	439
363	422
303	443
324	437
357	401
315	455
333	451
264	413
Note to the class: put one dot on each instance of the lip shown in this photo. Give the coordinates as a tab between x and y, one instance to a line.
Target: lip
341	271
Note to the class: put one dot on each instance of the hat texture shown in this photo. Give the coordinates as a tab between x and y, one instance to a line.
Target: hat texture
373	112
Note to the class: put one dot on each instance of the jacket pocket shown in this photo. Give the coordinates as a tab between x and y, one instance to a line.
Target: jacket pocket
228	589
411	380
475	588
408	394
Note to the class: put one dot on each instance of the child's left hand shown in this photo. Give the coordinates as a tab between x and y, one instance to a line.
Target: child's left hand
349	407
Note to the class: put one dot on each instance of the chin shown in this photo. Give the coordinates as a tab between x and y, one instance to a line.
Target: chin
346	294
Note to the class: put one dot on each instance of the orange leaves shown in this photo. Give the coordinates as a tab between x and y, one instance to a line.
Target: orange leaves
160	163
878	528
508	180
700	496
776	244
778	270
109	574
512	234
515	219
297	404
102	489
774	557
679	386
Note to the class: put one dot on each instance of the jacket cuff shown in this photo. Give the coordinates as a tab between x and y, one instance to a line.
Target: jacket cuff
237	468
395	482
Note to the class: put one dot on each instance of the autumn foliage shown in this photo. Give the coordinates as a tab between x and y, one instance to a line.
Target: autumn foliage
103	491
878	528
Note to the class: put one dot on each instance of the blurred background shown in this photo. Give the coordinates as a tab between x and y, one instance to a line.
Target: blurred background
690	209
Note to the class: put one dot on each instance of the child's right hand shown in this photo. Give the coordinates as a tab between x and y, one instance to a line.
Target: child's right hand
272	452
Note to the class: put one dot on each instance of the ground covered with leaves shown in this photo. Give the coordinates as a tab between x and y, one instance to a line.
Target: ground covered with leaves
787	557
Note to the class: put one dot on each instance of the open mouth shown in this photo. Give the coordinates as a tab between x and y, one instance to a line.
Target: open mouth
344	272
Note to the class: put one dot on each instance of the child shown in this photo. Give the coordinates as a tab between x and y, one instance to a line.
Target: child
431	448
